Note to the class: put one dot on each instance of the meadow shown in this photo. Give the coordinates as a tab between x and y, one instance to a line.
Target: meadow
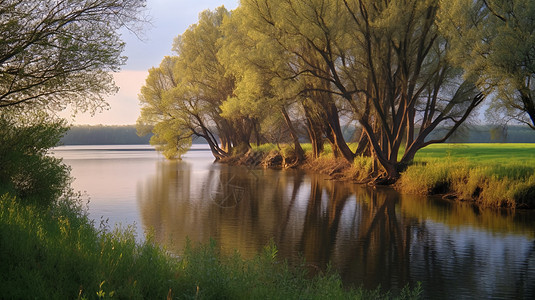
484	153
498	175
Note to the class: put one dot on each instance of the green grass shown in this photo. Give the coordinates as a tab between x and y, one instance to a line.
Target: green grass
480	153
500	175
265	148
57	253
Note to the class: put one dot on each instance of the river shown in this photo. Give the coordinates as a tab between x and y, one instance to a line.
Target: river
370	236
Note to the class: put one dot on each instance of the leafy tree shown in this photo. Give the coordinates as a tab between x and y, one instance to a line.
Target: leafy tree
408	82
190	102
387	60
260	93
159	115
26	169
390	62
494	40
59	53
291	26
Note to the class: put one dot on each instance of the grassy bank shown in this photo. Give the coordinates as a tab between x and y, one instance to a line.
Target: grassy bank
57	253
496	175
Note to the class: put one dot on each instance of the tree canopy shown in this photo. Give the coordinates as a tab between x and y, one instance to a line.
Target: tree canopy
59	53
396	68
494	41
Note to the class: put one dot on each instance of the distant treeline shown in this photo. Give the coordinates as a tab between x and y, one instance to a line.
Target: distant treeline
492	134
104	135
108	135
127	135
471	134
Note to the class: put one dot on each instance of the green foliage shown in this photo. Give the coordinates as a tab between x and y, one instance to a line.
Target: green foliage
171	139
166	117
57	252
59	53
25	168
493	41
184	96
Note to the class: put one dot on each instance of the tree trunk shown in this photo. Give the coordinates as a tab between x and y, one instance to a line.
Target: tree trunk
333	120
256	128
314	134
381	154
363	147
300	154
529	107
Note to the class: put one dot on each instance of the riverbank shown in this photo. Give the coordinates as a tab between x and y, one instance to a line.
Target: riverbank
57	252
495	175
490	175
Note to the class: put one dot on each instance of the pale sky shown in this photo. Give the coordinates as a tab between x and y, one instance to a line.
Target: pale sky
169	18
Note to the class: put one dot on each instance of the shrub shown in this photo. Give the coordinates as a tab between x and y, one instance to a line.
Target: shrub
25	168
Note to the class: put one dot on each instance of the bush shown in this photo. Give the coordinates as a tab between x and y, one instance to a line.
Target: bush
58	252
25	168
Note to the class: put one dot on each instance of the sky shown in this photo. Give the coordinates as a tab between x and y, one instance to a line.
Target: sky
168	18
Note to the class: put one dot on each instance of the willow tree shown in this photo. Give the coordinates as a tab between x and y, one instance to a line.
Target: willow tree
59	53
408	81
494	41
260	66
160	113
201	84
386	59
293	27
250	98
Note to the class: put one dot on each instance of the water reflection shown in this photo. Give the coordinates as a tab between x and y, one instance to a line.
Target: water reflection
372	237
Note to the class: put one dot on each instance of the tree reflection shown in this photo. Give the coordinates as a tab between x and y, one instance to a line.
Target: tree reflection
371	236
322	219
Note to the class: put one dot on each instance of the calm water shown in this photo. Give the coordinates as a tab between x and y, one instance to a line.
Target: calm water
371	236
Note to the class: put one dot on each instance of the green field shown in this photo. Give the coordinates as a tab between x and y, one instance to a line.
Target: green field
480	153
499	175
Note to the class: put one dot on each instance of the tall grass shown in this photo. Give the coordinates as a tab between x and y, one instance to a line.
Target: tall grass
501	175
57	253
362	169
